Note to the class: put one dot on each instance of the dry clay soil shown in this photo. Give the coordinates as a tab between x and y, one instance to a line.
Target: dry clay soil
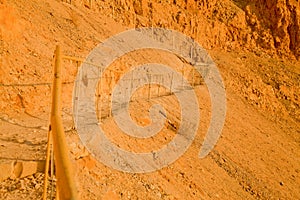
256	157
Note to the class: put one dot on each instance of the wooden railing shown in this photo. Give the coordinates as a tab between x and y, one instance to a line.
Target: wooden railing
65	185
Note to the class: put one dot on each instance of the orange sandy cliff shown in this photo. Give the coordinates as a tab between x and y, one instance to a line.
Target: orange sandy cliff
256	46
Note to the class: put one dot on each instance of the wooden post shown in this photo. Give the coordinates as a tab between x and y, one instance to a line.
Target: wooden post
173	38
182	76
131	84
171	83
113	11
90	3
134	20
99	94
64	172
152	28
159	85
1	44
149	89
110	100
193	74
52	175
191	53
49	149
76	97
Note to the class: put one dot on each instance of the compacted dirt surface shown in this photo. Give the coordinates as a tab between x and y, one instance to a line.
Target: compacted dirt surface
255	45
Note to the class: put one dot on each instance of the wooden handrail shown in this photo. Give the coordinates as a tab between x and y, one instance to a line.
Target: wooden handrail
66	186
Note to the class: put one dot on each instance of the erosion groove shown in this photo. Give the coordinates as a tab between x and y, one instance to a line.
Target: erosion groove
246	180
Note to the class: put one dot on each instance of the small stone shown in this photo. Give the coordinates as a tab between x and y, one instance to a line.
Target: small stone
20	140
159	195
281	183
44	128
22	185
37	186
26	180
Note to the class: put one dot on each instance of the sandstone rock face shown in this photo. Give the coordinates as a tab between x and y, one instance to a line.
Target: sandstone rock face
278	24
271	25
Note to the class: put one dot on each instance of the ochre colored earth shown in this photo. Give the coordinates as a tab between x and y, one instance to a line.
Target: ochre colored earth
256	46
